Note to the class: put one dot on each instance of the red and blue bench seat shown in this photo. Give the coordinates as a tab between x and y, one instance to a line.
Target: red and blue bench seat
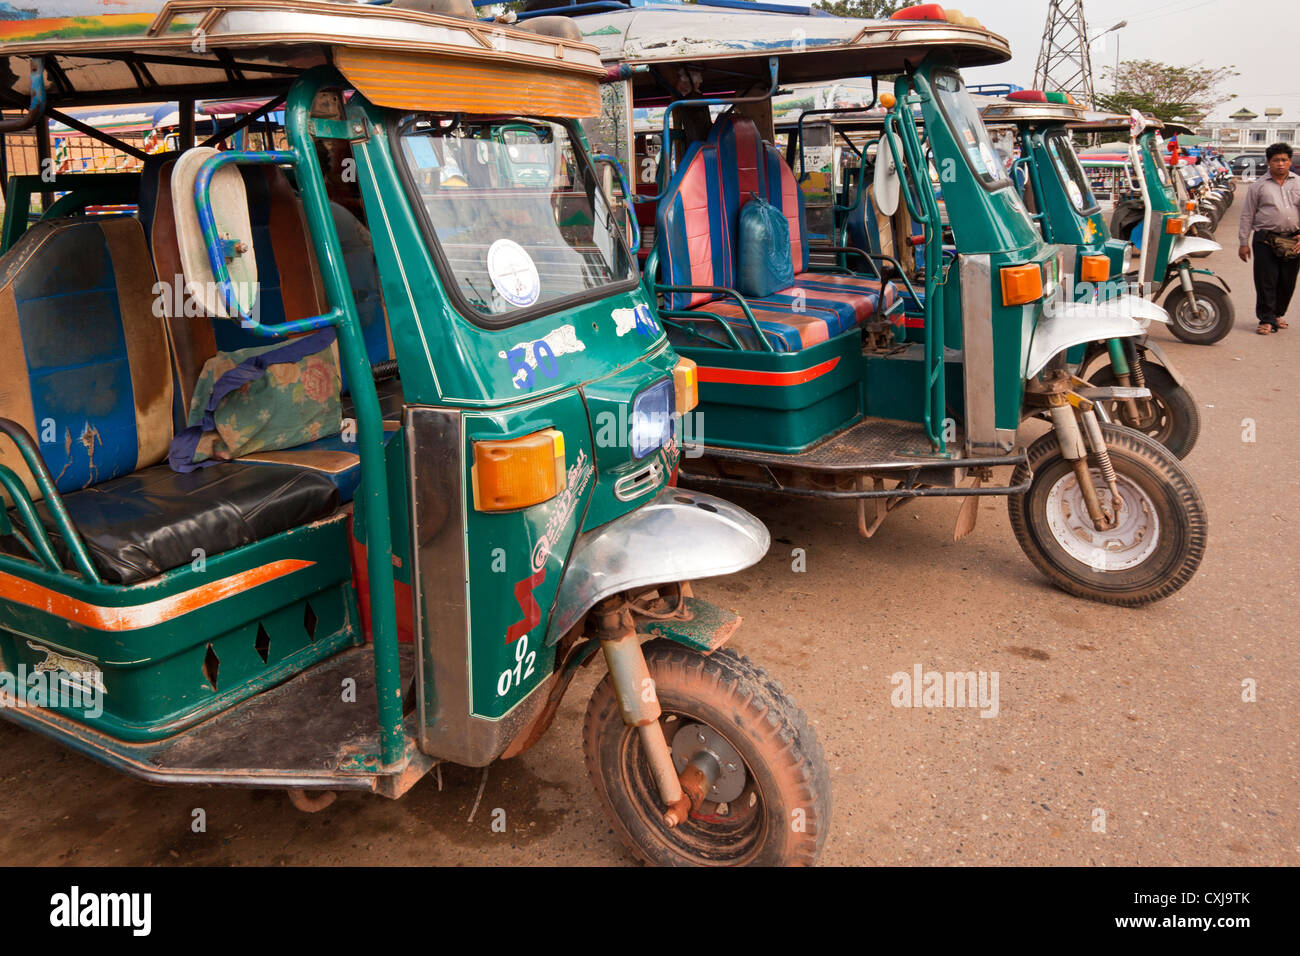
697	222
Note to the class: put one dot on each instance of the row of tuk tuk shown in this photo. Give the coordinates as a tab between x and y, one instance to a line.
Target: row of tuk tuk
512	380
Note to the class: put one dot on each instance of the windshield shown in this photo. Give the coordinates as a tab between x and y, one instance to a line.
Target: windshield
1110	181
968	128
1071	173
519	224
1156	147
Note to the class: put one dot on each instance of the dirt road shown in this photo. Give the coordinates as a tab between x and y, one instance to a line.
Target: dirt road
1131	718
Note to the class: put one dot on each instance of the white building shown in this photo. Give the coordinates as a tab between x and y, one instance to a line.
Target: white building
1245	130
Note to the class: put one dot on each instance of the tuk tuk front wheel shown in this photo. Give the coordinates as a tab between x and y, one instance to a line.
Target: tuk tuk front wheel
777	805
1170	416
1211	320
1157	543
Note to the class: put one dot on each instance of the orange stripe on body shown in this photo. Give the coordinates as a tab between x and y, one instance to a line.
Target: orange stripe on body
101	618
736	376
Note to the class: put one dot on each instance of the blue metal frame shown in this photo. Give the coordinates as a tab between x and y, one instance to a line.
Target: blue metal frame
36	101
217	254
635	245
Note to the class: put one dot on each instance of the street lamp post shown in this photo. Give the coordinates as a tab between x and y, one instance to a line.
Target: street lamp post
1119	26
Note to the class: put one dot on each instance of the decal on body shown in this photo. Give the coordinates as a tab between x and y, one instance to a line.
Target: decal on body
528	358
640	320
84	673
578	477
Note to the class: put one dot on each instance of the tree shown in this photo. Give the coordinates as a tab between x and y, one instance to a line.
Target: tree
1166	91
862	9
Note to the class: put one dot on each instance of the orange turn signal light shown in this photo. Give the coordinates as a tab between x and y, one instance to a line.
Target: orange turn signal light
1174	225
1190	205
1021	284
514	473
1094	268
686	384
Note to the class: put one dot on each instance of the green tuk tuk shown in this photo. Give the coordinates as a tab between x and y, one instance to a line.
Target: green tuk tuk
476	506
1062	204
840	380
1199	301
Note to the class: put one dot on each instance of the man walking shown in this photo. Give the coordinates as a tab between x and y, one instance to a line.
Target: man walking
1270	230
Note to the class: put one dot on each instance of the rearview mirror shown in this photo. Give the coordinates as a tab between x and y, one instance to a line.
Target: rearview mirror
526	157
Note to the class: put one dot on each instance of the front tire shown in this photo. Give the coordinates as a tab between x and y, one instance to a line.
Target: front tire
1158	544
1171	416
1210	321
781	814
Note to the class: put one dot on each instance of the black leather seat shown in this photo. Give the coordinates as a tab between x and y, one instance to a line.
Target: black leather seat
77	300
152	520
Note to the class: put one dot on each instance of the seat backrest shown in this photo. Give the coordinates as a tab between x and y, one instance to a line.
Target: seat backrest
695	244
88	373
753	168
699	214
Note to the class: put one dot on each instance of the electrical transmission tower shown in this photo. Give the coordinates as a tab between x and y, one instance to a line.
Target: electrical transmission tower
1063	60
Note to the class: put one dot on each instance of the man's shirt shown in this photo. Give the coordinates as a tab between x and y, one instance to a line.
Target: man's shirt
1271	206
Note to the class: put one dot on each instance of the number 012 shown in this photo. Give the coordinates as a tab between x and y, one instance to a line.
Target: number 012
523	669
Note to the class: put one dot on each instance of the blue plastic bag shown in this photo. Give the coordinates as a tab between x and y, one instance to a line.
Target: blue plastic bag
763	258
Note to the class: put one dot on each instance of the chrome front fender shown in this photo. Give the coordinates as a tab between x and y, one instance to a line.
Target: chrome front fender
1186	246
1073	323
677	536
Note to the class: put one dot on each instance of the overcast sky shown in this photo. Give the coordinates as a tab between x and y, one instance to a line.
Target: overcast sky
1259	38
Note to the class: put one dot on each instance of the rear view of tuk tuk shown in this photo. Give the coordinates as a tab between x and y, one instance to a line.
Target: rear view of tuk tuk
882	371
458	489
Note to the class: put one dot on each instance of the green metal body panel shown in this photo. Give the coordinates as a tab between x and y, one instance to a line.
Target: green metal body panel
154	677
1164	203
894	385
708	629
784	401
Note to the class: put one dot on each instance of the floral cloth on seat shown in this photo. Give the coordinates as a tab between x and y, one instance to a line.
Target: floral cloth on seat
262	398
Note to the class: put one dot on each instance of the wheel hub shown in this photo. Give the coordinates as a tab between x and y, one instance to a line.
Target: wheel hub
1127	545
1203	318
692	740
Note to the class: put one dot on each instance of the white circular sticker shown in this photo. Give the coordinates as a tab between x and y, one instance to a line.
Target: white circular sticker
513	273
1076	194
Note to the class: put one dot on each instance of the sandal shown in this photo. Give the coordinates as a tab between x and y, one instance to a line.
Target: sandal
1282	325
1264	329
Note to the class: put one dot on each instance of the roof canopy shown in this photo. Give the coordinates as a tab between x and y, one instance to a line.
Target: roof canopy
243	48
810	49
1002	110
